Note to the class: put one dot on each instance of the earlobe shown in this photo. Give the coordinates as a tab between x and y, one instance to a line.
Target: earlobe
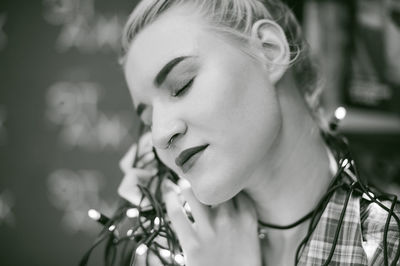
274	45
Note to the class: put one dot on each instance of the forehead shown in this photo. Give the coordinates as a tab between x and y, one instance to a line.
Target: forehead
172	35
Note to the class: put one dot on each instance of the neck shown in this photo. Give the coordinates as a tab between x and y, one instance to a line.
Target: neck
290	182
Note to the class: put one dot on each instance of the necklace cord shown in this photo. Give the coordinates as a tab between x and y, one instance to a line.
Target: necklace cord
361	188
145	230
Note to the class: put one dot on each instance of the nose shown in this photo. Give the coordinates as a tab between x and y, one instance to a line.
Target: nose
166	127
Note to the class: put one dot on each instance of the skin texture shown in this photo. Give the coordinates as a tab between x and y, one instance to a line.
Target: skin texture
208	241
263	143
231	105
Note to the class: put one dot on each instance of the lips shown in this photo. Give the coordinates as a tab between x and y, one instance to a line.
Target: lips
187	154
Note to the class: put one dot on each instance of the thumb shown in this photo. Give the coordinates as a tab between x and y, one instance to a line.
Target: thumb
176	213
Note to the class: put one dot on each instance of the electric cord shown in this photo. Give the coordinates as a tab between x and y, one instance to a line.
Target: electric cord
151	223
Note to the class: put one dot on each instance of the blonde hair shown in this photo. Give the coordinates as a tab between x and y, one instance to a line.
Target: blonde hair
236	18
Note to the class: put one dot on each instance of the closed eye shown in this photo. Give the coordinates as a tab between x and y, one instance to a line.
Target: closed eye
183	89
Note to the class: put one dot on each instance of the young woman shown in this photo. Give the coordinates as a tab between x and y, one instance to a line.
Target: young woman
229	94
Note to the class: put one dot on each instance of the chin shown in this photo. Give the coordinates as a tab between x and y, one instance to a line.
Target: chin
212	193
211	199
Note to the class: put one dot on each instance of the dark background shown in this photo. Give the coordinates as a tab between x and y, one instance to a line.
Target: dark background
66	119
59	145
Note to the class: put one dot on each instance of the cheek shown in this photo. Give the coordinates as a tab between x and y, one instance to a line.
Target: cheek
239	105
217	97
243	121
166	159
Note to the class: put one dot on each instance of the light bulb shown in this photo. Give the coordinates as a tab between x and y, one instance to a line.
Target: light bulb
179	259
340	113
141	249
129	232
345	162
95	215
165	253
132	213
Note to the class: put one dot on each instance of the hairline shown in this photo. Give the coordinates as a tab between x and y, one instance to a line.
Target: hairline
229	35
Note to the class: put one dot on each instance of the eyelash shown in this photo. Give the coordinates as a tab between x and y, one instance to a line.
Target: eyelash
183	89
175	94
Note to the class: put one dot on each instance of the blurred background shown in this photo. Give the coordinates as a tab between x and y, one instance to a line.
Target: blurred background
66	116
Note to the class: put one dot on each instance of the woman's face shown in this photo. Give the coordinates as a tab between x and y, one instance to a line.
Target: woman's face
199	91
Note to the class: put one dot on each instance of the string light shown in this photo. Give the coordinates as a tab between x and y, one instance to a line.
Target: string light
340	113
368	196
153	225
141	249
98	216
111	228
95	215
187	207
129	232
165	253
180	259
132	213
345	162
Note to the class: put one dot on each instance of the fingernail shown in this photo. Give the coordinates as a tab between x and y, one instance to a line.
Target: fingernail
168	186
183	184
154	172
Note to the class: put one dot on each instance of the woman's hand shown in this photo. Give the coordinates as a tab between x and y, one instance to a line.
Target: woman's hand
137	172
225	235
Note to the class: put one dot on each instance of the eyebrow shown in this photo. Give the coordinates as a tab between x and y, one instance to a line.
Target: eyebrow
160	78
162	75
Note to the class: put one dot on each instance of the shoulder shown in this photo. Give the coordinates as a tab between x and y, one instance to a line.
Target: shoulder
374	222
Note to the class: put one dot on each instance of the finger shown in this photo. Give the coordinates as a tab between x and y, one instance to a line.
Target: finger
145	143
143	150
224	214
128	188
151	165
200	212
244	202
142	155
245	206
176	213
143	176
225	209
125	164
145	159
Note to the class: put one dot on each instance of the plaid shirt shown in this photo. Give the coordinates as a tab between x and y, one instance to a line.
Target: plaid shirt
360	239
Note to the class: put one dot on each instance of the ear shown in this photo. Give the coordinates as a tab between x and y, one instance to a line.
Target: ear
274	45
